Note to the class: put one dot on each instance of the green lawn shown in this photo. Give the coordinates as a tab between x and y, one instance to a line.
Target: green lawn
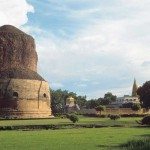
70	139
82	120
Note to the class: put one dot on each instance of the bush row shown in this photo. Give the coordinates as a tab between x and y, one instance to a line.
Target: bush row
51	127
123	115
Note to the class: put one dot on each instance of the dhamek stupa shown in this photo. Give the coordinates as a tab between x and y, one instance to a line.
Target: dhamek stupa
23	92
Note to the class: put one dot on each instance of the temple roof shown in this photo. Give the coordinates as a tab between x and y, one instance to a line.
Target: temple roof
134	89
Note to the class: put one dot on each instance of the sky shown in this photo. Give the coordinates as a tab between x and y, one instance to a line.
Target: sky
89	47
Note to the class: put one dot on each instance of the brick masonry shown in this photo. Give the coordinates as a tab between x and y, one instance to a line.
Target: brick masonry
17	49
24	98
23	92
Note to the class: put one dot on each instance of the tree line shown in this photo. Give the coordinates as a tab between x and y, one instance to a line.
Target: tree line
58	100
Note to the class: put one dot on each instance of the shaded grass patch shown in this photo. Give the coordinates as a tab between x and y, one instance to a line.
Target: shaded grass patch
142	143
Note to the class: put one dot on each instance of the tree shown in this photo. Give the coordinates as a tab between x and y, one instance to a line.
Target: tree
103	101
109	96
81	101
58	100
136	107
144	93
100	108
92	103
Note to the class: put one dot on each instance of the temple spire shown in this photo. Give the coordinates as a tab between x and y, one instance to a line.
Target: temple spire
134	89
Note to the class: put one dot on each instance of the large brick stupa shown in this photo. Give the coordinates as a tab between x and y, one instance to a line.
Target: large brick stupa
23	92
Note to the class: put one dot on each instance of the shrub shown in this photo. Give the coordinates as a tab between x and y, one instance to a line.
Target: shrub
145	120
71	113
127	105
114	117
133	115
73	118
136	107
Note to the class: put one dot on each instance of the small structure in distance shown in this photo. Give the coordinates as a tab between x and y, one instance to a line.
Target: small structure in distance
134	98
71	105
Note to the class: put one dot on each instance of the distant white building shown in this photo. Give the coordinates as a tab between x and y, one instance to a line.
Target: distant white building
126	98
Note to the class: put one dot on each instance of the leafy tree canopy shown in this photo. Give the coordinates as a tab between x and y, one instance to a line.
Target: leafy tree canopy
144	93
100	108
109	96
58	100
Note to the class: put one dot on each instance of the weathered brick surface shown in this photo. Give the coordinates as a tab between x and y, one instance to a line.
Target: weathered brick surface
33	96
23	92
17	49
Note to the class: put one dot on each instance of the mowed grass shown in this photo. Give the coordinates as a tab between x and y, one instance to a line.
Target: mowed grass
82	120
71	139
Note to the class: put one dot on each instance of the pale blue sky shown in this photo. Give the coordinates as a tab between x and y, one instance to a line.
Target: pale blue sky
86	46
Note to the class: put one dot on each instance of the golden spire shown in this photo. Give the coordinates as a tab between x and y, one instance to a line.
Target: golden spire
134	89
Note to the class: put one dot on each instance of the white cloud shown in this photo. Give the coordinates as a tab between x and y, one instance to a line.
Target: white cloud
14	12
108	52
105	54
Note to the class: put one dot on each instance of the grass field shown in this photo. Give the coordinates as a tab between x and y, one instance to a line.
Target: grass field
105	138
70	139
82	120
